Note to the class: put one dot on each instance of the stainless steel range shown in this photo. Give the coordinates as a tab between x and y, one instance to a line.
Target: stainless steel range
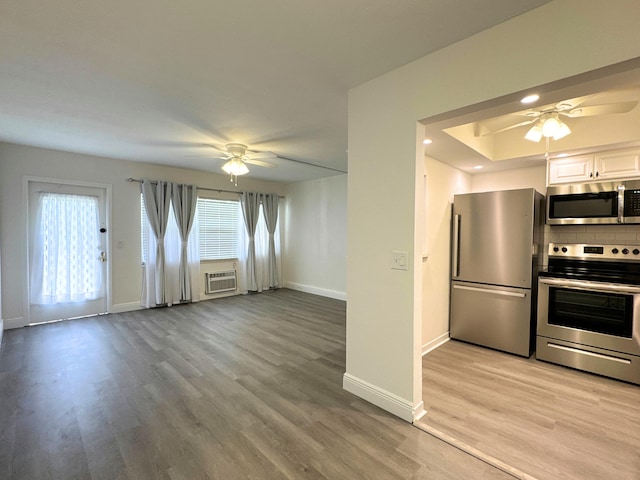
589	309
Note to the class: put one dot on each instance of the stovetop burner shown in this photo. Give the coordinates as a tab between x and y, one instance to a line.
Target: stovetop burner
597	263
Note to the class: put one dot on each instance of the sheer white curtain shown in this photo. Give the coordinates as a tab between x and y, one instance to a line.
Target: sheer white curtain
261	248
176	285
184	199
157	198
250	204
66	247
270	215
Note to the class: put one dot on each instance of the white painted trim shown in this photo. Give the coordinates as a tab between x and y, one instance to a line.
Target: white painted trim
419	412
435	343
381	398
126	307
11	323
323	292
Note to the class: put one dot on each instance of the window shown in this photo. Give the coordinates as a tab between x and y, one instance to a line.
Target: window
218	221
218	228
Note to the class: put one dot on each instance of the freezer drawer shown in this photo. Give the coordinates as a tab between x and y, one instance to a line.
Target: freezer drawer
493	316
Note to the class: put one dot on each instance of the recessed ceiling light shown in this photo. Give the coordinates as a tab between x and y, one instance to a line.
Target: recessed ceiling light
530	99
427	141
478	167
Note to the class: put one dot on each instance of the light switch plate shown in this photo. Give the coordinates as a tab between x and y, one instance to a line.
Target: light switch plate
399	260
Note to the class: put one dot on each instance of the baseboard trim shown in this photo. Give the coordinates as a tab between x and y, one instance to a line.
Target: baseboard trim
323	292
126	307
435	343
11	323
381	398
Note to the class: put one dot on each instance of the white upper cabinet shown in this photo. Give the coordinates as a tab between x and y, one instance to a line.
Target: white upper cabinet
622	164
570	170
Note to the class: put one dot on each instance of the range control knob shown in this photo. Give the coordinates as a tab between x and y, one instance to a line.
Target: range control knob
556	249
564	249
625	251
636	251
614	251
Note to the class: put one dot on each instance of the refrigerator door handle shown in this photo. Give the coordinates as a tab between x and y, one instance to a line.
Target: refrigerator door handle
456	246
495	292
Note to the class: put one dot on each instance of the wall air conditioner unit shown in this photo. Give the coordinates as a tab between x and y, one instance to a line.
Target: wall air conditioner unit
216	282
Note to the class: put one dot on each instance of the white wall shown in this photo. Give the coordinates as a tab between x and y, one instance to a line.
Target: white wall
17	161
532	177
316	236
443	182
384	317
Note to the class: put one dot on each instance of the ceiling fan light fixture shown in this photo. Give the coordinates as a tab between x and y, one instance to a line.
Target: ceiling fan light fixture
562	131
549	126
235	167
534	134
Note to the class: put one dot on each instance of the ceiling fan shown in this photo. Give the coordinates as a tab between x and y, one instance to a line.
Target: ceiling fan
237	157
547	121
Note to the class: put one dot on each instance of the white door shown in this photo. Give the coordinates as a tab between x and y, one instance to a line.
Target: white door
67	251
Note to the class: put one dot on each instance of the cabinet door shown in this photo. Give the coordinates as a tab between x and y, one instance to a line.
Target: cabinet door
622	164
570	170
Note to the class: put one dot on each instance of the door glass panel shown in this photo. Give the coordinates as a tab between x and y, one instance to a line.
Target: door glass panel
600	312
67	248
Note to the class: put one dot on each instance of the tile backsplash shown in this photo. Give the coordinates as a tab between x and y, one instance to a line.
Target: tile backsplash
600	234
619	235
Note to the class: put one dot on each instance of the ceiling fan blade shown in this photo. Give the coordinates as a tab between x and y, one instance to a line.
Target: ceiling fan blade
253	155
605	109
216	148
259	163
509	127
212	155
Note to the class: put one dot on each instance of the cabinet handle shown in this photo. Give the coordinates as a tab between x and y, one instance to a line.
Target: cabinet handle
597	173
591	175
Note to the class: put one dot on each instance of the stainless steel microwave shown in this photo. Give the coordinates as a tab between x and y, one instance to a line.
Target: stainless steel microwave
594	203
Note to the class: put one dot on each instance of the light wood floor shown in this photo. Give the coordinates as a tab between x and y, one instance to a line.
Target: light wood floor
546	420
243	387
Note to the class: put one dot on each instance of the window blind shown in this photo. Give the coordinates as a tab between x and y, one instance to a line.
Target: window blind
218	222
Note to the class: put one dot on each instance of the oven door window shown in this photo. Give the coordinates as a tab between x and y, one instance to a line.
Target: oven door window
610	313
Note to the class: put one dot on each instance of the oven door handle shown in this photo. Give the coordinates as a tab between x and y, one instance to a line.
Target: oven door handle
592	286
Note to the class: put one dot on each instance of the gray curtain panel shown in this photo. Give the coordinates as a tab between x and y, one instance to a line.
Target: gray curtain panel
157	196
184	200
270	211
250	203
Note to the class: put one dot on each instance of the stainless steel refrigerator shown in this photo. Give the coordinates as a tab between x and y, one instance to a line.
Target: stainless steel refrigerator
496	250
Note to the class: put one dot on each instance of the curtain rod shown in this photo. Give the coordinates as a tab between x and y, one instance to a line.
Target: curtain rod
219	190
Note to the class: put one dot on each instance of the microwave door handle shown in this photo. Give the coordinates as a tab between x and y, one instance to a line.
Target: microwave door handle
456	247
621	203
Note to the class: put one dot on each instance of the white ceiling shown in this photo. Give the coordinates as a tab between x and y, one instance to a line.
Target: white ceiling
156	81
464	139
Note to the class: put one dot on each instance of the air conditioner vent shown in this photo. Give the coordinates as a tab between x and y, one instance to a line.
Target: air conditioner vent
216	282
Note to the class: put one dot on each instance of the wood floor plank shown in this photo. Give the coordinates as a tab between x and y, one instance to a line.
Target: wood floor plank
546	420
240	387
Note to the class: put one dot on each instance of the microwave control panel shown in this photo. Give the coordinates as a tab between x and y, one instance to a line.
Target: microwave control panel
632	202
